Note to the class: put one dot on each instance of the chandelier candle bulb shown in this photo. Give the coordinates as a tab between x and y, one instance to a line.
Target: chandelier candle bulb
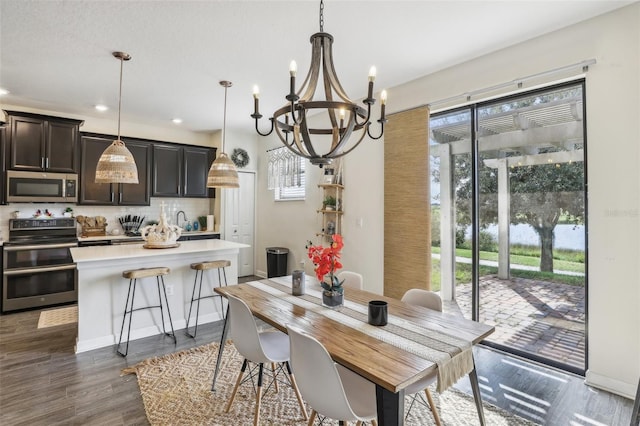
383	104
256	100
293	68
372	78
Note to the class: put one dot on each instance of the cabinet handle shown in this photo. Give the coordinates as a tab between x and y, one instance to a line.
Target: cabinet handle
46	163
120	198
42	162
112	197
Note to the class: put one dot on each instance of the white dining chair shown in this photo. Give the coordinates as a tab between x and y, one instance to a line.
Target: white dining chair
351	279
258	347
331	390
431	300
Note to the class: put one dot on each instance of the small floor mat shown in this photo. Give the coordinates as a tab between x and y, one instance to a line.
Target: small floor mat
58	316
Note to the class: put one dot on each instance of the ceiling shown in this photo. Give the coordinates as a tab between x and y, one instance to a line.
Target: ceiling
55	55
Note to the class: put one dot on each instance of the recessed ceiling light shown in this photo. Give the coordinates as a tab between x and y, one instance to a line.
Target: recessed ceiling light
3	91
177	120
102	108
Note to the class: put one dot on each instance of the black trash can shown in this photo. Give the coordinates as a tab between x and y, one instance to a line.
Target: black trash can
277	261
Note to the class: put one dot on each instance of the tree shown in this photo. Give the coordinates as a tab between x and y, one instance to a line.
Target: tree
540	196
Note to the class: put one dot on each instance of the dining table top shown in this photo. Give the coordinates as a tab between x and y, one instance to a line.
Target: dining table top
359	348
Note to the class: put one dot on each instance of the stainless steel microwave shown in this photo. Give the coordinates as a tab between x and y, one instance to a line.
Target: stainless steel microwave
35	187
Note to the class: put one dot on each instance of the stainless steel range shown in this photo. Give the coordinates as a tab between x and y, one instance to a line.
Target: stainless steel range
38	269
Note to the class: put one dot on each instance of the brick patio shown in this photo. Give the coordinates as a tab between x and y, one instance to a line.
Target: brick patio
542	318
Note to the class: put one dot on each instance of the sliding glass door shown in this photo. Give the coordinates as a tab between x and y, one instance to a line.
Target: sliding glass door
511	246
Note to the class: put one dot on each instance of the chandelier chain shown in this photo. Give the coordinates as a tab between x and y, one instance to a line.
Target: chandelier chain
321	16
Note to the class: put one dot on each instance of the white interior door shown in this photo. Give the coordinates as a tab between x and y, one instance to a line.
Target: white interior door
239	219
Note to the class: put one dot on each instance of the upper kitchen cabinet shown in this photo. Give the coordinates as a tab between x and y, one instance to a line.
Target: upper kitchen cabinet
123	194
43	143
3	163
181	171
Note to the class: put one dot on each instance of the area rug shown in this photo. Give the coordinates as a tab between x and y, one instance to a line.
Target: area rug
176	390
58	316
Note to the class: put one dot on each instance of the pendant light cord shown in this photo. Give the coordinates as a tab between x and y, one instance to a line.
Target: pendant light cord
120	96
224	118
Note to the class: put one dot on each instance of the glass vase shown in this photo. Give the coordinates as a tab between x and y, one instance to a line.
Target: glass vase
332	299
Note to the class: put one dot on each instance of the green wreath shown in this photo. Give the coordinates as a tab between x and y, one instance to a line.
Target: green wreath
240	157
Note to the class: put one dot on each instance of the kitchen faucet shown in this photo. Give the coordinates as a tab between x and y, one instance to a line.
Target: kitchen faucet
184	215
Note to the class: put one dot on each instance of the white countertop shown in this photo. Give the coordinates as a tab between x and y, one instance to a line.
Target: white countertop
126	237
127	251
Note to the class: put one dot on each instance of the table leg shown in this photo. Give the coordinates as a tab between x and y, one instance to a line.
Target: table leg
473	378
390	407
223	339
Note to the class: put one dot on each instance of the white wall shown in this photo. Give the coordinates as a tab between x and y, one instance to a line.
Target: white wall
613	109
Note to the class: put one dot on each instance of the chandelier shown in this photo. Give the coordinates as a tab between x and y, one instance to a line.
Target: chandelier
342	118
116	164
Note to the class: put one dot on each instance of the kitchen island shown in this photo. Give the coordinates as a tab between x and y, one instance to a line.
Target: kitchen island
102	291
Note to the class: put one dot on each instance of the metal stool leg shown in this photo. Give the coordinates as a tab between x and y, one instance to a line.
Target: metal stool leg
220	284
131	292
164	290
193	295
197	300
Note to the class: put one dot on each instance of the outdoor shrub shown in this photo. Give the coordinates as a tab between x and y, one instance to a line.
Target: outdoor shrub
460	237
486	241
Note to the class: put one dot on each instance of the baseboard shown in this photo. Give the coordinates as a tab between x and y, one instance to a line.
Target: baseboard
627	390
261	274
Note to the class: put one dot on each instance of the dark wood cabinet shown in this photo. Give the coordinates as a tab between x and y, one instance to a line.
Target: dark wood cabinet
43	143
181	171
197	162
3	163
92	147
167	170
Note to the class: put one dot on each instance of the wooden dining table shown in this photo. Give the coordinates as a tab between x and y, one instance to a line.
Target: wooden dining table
380	354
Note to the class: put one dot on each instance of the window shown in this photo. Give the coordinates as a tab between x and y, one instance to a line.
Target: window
286	175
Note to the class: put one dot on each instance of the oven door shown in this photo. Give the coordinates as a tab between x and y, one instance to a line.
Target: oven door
36	287
38	275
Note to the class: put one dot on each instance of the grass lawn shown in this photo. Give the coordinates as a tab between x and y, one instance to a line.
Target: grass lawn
463	270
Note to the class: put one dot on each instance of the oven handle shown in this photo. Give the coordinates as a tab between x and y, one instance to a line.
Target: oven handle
23	271
39	247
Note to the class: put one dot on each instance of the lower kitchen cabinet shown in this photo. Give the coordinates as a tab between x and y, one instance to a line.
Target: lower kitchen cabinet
92	193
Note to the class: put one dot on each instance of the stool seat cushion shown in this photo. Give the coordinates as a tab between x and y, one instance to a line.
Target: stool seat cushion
145	272
213	264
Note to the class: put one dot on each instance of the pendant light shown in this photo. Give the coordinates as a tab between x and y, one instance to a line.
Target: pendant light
116	164
223	173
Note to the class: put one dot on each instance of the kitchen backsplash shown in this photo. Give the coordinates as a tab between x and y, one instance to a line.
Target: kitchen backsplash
193	207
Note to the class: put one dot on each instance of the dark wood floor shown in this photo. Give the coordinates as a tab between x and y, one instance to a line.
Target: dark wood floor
42	381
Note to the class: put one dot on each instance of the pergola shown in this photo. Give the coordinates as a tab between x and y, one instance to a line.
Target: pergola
507	139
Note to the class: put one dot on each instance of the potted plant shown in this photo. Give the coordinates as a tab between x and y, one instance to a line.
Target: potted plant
329	202
68	212
203	222
327	262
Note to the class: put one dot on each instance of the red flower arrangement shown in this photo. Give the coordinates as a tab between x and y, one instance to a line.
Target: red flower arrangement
327	262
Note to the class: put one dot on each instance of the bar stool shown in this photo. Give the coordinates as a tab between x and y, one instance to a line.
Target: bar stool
201	267
133	276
